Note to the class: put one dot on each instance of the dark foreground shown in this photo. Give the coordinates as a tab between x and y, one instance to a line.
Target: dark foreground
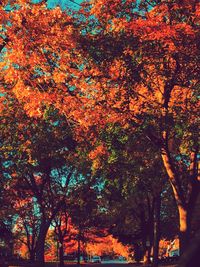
83	265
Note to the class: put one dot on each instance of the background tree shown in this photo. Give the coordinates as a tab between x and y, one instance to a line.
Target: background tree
27	225
133	182
62	224
86	214
36	163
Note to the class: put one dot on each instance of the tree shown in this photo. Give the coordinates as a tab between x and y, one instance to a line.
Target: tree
133	184
190	257
37	168
86	214
122	61
149	67
27	225
62	223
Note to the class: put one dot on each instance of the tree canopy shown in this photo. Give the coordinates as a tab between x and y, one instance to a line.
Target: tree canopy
107	89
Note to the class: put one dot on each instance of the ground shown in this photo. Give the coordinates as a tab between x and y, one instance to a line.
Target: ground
92	265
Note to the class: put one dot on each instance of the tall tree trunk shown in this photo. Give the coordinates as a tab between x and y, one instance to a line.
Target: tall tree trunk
191	256
79	250
137	253
179	197
32	255
44	226
156	235
146	246
151	204
61	254
184	228
41	243
144	235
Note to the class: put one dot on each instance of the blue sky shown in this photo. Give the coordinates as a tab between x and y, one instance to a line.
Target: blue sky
62	3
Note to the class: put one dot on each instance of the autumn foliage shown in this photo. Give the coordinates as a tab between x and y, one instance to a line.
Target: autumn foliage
69	78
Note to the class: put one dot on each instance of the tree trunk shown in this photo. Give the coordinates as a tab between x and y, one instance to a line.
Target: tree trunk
41	243
61	254
145	249
150	224
32	255
79	251
137	253
190	258
156	236
179	197
184	235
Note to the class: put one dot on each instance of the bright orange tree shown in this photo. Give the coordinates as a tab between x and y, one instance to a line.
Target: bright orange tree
131	62
32	170
149	52
148	56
